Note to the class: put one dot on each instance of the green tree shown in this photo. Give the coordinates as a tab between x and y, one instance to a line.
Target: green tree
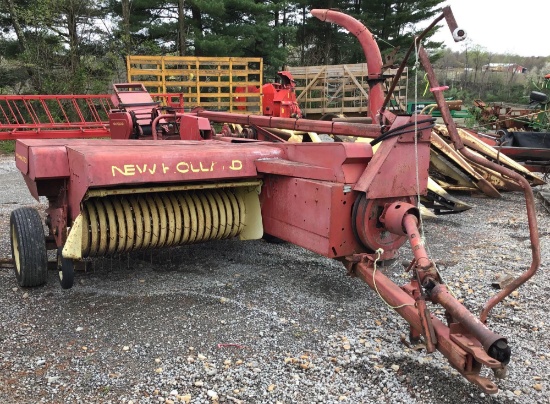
246	28
393	23
60	46
143	26
59	42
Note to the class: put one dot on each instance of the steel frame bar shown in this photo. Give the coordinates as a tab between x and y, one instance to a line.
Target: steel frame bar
306	125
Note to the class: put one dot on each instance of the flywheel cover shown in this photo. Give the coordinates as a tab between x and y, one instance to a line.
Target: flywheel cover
368	228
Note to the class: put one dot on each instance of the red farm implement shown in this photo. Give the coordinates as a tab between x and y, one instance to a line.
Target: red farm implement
113	196
54	116
77	116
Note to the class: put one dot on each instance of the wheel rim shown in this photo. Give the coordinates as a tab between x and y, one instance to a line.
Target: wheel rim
16	257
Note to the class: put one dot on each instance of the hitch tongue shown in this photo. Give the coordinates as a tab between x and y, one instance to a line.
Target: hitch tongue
496	349
475	349
484	346
427	326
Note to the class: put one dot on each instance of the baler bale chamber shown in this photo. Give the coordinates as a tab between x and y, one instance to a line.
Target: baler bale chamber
160	194
340	200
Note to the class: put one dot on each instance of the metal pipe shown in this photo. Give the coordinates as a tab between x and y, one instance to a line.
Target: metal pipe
371	51
404	305
158	118
410	222
354	119
299	124
522	182
494	344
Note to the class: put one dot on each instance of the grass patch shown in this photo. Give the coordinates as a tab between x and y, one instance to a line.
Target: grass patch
7	146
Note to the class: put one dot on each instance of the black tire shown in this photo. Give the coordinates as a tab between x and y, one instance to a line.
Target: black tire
28	247
65	268
538	97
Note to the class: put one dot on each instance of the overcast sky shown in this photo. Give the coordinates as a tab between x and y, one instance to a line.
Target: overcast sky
520	27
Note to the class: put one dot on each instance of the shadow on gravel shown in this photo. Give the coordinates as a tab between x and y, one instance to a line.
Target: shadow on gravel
424	381
246	265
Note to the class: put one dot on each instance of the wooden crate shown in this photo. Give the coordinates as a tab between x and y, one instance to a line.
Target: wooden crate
214	83
341	89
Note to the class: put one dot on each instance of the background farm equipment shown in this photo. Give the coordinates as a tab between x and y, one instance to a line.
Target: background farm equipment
54	116
205	82
343	90
82	116
532	149
522	135
237	84
135	111
278	99
500	116
338	199
430	108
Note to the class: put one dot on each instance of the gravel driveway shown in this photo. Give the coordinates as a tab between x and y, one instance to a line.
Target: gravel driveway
253	322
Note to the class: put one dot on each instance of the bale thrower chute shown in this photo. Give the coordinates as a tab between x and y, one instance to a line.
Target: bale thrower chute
341	200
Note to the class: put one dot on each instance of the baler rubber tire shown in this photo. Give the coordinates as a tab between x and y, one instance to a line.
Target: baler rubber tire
65	268
28	247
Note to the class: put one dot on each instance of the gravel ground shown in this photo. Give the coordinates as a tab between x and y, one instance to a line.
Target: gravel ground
253	322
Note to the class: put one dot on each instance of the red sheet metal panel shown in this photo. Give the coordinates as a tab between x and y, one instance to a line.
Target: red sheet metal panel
22	158
293	168
391	173
341	162
47	158
346	160
158	162
313	214
154	162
